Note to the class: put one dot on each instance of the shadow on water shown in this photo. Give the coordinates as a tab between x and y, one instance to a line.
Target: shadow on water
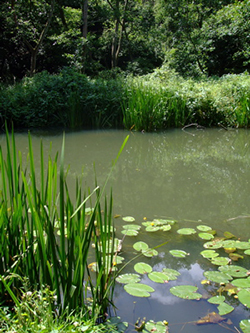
194	176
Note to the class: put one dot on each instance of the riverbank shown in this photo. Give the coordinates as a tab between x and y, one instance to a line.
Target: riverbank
152	102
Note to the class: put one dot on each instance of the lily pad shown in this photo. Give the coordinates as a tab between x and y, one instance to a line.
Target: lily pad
203	228
157	277
142	268
128	219
216	299
178	253
140	246
138	289
163	221
244	297
209	254
170	273
247	252
220	261
150	253
214	244
225	308
158	327
242	283
166	227
233	270
128	278
245	325
228	234
130	232
205	236
152	228
235	256
242	245
186	292
218	277
228	244
186	231
132	227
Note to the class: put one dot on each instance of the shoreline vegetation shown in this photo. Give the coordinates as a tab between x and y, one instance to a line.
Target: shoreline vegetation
153	102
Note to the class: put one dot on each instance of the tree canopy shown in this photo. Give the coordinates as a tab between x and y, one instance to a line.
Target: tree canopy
197	37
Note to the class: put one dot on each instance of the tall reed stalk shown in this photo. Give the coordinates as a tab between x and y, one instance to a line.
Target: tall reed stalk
47	238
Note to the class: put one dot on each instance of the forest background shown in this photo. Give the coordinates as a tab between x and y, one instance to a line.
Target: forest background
110	39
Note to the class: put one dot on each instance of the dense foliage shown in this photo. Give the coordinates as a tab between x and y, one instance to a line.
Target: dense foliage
198	37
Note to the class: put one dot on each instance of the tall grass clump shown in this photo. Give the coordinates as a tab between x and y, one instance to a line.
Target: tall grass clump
46	237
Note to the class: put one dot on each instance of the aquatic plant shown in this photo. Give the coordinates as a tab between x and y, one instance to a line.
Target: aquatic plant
47	238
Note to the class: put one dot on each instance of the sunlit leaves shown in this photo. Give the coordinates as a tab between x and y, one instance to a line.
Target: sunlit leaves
138	289
140	246
142	268
131	229
220	261
171	274
186	292
209	254
218	277
223	307
158	277
158	327
204	228
245	325
178	253
158	224
186	231
128	219
233	270
128	278
244	297
242	283
216	299
205	236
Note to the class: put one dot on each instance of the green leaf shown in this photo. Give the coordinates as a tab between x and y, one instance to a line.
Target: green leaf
242	283
131	227
166	228
247	252
242	245
209	254
228	234
216	299
219	261
203	228
128	278
186	231
233	270
224	309
157	277
150	253
138	289
218	277
178	253
140	246
128	219
205	236
152	228
158	327
129	232
244	297
142	268
186	292
214	244
171	274
245	325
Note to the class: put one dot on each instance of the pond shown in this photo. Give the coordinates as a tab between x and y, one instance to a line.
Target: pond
195	177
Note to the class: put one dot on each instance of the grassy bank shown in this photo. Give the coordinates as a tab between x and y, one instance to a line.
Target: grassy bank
156	101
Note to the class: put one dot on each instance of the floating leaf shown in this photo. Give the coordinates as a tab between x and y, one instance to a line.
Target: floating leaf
228	235
152	228
211	318
205	236
140	246
225	308
244	297
178	253
128	278
186	292
242	245
186	231
216	299
242	283
138	289
203	228
214	244
166	228
153	327
209	254
171	274
230	249
132	227
228	244
233	270
142	268
129	232
220	261
150	253
245	325
157	277
235	256
128	219
218	277
247	252
162	221
229	288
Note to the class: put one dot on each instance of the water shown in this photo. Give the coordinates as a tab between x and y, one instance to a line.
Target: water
194	176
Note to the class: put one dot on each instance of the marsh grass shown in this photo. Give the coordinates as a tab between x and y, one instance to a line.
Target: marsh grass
46	238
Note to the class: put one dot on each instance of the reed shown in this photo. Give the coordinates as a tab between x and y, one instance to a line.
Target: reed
47	238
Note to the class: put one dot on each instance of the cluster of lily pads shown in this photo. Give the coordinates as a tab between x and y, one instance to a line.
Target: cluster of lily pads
219	251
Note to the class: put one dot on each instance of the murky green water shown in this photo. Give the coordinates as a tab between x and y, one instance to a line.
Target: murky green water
195	177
